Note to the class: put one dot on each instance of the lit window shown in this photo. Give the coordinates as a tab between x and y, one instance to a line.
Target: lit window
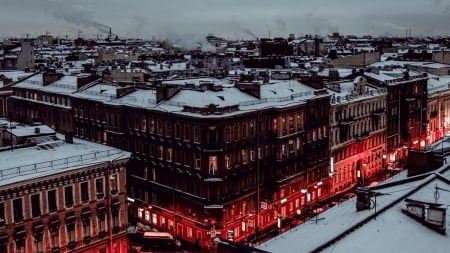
87	227
213	165
113	184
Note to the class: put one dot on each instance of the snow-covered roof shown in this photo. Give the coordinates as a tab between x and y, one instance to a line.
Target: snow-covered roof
401	64
382	229
343	72
53	157
276	93
31	131
65	85
16	75
438	84
391	77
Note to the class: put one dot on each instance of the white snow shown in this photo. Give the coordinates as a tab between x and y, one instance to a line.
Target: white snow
52	158
390	231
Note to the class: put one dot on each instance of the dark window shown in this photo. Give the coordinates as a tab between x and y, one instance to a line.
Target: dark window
68	196
52	207
35	205
116	221
18	210
99	188
84	192
38	245
2	214
197	134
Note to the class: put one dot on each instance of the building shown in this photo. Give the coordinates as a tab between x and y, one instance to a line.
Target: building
357	132
406	109
17	55
7	79
391	211
438	111
211	158
67	195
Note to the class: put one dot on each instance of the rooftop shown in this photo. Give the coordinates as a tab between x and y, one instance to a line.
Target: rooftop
51	156
385	228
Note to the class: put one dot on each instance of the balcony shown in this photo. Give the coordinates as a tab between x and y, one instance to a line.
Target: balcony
346	122
362	136
378	112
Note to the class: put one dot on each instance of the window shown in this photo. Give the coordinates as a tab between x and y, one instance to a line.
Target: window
143	124
244	156
227	162
227	134
113	184
18	210
177	130
151	126
86	227
189	232
168	128
20	245
169	154
99	188
84	187
35	205
115	217
244	130
186	132
2	214
159	127
197	134
101	223
54	237
71	232
68	196
213	165
51	198
160	152
197	161
38	242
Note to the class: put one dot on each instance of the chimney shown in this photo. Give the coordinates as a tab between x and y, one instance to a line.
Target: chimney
37	130
69	136
50	76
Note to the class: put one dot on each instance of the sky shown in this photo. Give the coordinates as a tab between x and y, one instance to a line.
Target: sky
231	19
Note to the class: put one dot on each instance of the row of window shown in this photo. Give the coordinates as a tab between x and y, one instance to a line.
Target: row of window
53	99
54	233
359	109
52	199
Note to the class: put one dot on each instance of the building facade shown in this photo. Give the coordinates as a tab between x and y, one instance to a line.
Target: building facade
406	110
358	132
67	196
243	163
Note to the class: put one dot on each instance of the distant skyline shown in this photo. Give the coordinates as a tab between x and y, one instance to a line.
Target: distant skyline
184	20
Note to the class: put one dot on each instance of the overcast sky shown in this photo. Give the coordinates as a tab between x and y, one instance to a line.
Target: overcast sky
232	19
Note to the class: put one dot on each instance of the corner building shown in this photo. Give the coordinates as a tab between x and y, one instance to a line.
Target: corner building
65	196
210	158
